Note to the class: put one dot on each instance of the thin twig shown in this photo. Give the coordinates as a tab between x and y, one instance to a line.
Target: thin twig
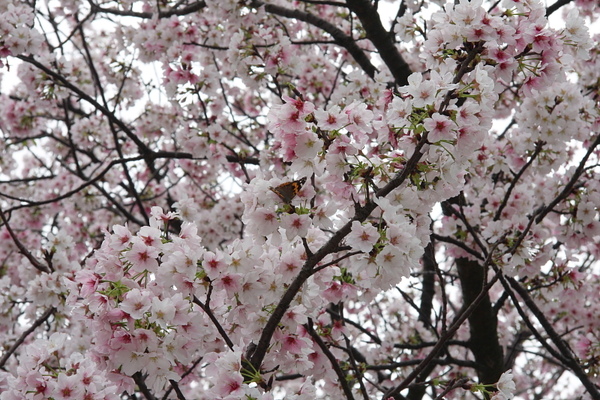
24	335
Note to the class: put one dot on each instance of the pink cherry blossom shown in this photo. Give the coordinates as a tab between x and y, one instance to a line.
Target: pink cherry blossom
422	91
439	127
156	241
142	257
362	237
136	303
330	120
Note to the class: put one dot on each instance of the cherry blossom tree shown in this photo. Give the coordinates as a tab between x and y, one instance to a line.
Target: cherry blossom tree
246	199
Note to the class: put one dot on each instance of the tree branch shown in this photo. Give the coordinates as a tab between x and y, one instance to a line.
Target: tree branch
381	39
340	37
334	363
34	261
197	6
554	7
566	353
24	335
442	342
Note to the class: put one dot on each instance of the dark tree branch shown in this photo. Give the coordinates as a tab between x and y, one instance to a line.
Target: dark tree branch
178	391
428	281
186	373
34	261
334	362
554	7
457	243
565	352
441	344
97	81
358	326
24	335
355	355
455	385
29	203
568	189
140	380
417	361
340	37
381	39
514	349
538	149
215	321
192	8
62	81
483	323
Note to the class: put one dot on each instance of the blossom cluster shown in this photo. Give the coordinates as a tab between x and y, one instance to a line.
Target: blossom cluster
16	33
266	186
152	301
53	369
